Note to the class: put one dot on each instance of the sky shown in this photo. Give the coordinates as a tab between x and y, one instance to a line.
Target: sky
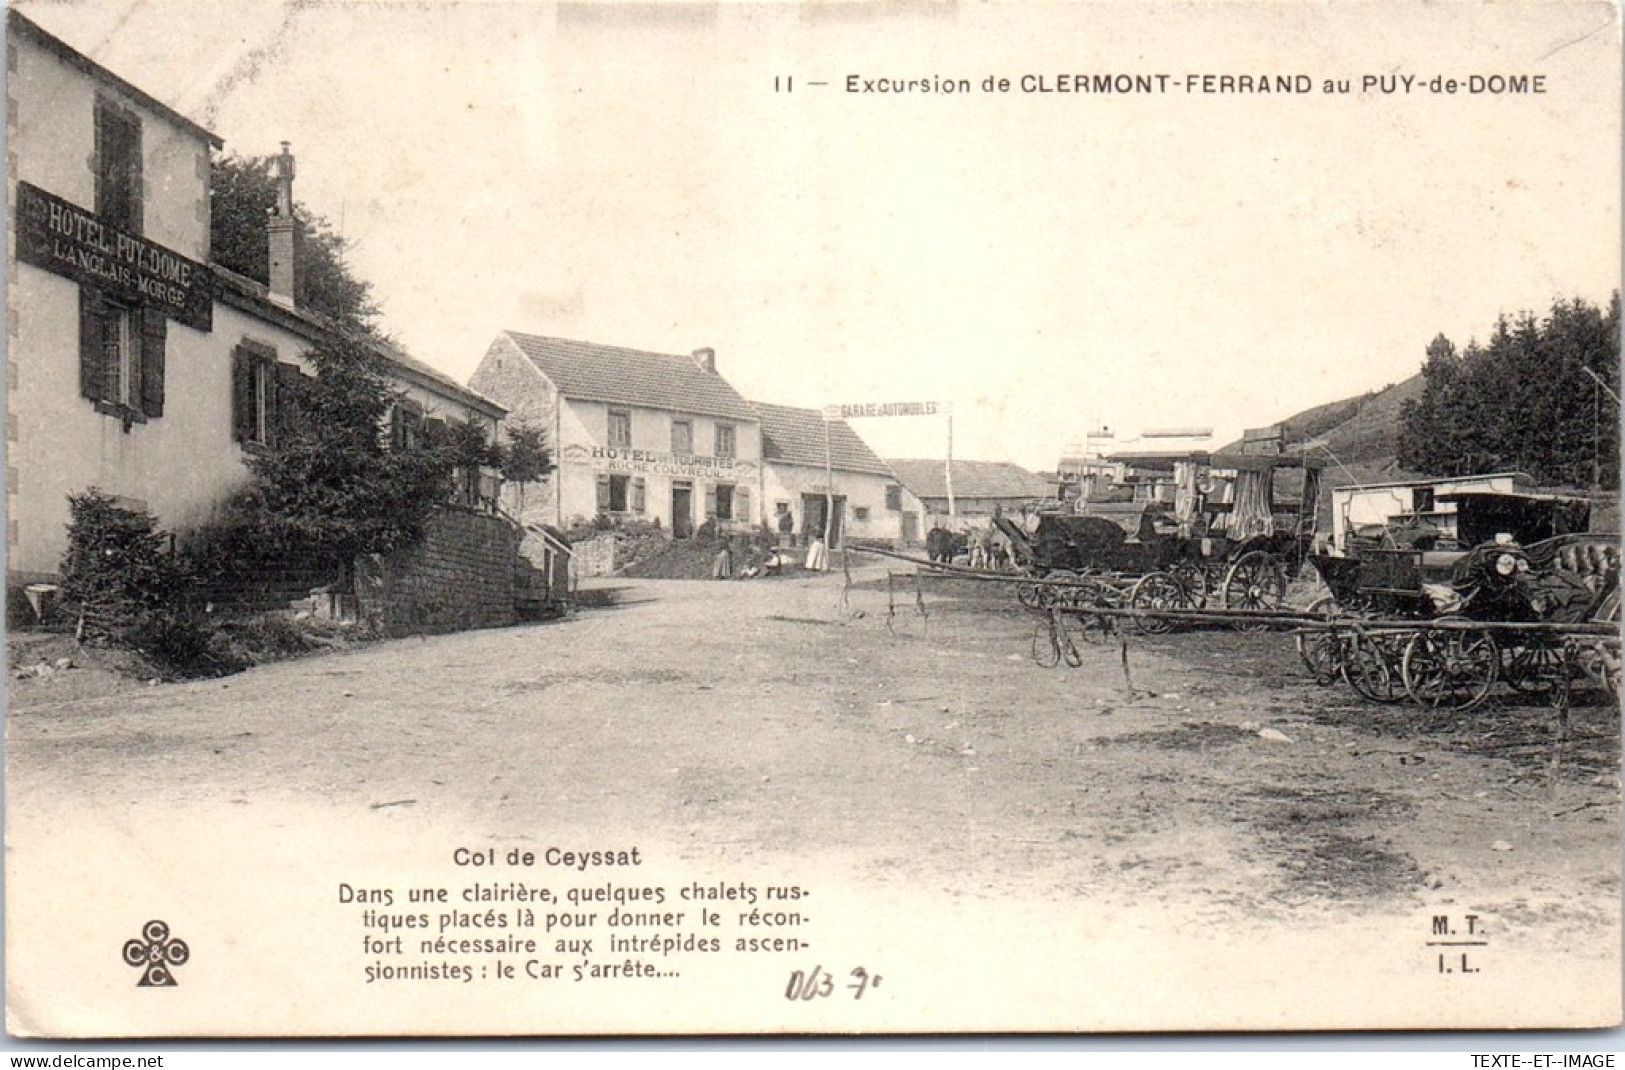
1040	263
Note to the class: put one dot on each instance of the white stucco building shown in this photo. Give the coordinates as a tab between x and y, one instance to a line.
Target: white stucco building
809	461
133	364
639	436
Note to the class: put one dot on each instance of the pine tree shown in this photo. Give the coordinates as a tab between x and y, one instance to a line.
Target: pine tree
242	194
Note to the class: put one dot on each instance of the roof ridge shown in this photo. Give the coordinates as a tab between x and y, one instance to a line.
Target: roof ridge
685	357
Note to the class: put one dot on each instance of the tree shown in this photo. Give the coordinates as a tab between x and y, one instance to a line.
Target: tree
525	459
243	193
334	488
1526	400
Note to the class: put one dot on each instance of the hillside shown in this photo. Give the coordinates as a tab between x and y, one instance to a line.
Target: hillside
1357	439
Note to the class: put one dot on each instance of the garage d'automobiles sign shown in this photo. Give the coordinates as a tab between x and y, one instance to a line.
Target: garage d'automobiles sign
66	240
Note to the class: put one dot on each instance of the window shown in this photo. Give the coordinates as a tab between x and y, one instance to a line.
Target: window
725	440
894	496
1422	500
682	436
121	362
264	394
722	503
118	166
121	356
406	426
618	494
620	428
860	512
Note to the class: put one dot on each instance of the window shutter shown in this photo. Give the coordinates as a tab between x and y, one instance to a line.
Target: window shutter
603	494
638	488
397	427
711	502
742	504
289	382
154	337
242	395
92	361
98	161
137	182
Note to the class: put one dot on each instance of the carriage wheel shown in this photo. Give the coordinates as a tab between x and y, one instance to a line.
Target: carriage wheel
1050	596
1093	628
1321	649
1046	643
1156	591
1095	594
1450	669
1539	667
1028	594
1597	661
1608	656
1372	666
1071	637
1256	581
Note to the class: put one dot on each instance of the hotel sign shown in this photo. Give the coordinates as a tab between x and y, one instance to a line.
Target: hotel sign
64	239
665	464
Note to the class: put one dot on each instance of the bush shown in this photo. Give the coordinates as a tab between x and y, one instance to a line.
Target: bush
125	587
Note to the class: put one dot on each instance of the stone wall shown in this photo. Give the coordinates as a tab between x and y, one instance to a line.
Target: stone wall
593	557
460	576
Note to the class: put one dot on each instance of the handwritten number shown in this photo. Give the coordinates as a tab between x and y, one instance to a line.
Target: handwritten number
819	983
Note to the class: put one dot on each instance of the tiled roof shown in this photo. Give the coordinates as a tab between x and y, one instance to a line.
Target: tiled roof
584	371
972	479
796	436
254	297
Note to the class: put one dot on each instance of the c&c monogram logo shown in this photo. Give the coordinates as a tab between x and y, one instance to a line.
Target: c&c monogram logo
155	954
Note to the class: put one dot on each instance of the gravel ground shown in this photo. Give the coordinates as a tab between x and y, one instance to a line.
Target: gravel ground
1225	843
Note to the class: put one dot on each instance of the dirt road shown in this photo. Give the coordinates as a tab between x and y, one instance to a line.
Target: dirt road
1213	789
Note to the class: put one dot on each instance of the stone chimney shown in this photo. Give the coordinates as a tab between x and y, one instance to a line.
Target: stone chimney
280	229
706	359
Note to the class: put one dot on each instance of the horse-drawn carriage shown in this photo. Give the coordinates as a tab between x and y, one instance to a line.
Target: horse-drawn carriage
1205	549
1442	626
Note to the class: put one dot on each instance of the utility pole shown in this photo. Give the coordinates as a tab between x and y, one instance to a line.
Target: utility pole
1596	424
829	495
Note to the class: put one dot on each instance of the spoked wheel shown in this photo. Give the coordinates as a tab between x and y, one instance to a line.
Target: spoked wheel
1450	669
1595	663
1539	667
1046	643
1321	649
1093	627
1070	637
1372	665
1028	594
1156	591
1049	595
1255	582
1086	595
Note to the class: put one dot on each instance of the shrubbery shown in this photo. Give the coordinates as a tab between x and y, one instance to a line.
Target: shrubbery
124	585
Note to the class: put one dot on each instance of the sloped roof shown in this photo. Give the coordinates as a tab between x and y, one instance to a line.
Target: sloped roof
24	27
972	479
585	371
254	298
796	436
